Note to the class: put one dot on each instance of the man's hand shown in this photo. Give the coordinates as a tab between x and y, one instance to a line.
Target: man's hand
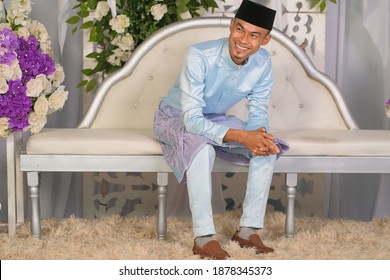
259	142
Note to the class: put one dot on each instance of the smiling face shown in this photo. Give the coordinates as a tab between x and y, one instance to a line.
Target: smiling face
245	39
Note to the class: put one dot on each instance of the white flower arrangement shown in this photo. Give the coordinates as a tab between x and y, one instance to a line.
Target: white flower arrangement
118	27
30	80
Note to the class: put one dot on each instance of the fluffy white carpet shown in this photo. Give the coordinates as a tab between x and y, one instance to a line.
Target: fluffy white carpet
131	238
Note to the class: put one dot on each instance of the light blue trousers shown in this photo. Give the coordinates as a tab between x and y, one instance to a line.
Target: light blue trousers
200	191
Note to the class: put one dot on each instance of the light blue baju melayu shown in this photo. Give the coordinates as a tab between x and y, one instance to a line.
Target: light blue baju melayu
191	124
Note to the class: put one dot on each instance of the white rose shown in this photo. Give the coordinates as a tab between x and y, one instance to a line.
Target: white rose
23	6
158	11
58	76
17	20
115	58
3	85
38	30
102	9
5	25
46	84
120	23
57	99
4	128
34	88
46	48
16	70
125	43
186	15
18	11
6	72
36	122
23	32
125	55
41	106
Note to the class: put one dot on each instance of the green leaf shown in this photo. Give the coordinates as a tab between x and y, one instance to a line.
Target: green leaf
73	20
93	35
322	3
92	4
76	6
91	85
209	4
87	72
100	37
113	69
87	24
322	6
83	83
92	55
74	30
314	3
83	14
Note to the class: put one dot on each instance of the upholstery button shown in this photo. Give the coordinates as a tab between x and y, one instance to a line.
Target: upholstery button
301	106
165	51
273	53
150	78
274	105
136	104
288	78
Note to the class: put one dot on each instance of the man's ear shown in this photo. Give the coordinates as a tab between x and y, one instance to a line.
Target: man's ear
231	24
266	39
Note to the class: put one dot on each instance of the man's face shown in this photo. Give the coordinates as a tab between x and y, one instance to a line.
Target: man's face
245	39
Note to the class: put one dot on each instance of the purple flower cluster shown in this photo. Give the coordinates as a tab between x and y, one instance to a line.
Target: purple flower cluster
32	61
8	46
387	103
15	104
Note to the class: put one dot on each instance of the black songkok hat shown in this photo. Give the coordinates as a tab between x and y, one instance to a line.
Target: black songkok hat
256	14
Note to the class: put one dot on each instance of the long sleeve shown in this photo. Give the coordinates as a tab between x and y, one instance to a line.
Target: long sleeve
192	84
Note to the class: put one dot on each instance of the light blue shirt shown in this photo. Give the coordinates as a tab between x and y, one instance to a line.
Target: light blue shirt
210	82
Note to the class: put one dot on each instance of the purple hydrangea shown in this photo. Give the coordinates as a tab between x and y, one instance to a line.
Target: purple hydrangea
387	103
32	61
8	45
15	104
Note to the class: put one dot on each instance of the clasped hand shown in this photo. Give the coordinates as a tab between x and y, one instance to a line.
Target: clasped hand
260	143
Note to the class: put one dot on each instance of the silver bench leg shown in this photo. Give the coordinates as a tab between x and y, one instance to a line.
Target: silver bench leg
19	179
33	193
14	182
291	182
11	185
162	183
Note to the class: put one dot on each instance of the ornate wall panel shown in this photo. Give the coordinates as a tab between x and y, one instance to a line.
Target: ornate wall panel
135	193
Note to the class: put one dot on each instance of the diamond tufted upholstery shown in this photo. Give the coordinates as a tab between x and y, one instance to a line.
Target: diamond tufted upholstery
306	110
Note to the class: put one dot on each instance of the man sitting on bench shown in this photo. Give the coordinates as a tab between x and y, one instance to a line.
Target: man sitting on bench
192	127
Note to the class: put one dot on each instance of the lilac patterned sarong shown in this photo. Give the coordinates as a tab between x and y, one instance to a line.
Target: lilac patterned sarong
179	146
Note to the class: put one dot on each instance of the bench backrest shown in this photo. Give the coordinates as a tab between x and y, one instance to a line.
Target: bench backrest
302	96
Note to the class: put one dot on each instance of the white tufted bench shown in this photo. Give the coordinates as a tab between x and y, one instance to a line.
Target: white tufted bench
307	111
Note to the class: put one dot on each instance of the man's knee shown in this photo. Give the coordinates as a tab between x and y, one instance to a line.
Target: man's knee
207	150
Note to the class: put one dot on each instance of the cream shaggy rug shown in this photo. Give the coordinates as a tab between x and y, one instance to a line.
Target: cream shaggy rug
134	238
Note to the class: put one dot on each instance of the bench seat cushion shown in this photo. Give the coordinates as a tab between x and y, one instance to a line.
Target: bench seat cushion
93	141
142	142
336	142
